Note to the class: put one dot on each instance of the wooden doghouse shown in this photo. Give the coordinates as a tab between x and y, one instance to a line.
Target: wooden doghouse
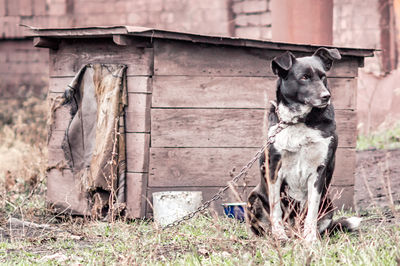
196	107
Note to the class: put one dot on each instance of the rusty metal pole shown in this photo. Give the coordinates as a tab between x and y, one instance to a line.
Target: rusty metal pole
305	21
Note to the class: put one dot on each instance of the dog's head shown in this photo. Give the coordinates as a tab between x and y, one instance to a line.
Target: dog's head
303	80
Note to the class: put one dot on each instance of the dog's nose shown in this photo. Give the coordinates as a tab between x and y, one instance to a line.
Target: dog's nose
325	96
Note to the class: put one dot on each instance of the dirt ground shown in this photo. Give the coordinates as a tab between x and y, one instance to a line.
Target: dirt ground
377	178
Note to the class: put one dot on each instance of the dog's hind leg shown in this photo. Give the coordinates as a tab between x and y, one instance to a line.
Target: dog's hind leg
272	180
257	213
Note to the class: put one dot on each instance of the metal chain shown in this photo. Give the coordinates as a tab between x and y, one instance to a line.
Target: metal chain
271	139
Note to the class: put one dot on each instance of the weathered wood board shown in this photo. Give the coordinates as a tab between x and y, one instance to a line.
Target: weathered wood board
137	113
199	166
234	92
137	152
345	164
136	84
55	153
184	58
64	194
136	198
346	127
225	127
212	166
342	196
73	54
61	116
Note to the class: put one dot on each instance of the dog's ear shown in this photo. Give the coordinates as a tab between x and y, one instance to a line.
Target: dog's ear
282	64
327	56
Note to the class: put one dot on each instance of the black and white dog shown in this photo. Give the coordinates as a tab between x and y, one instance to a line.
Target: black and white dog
302	159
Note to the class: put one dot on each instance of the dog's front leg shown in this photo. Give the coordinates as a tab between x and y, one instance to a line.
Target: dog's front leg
314	198
278	230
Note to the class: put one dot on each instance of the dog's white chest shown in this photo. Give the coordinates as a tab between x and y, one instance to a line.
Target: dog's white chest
303	150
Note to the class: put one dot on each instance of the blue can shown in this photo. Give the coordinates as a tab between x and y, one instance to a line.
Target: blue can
235	210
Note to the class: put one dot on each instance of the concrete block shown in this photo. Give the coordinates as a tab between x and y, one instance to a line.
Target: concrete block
39	7
11	28
266	33
253	19
241	20
60	21
12	7
248	32
2	8
210	4
25	7
167	17
120	7
134	7
254	6
57	9
137	18
237	7
93	8
266	18
154	5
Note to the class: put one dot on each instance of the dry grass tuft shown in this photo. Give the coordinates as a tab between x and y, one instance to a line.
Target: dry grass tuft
23	154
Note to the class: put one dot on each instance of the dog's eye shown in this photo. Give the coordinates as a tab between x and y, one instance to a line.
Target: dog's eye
305	77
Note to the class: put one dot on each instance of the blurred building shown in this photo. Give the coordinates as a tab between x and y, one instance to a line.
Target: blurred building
357	23
374	24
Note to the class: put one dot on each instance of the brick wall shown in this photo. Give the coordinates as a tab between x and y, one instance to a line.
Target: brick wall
356	24
24	69
205	16
359	23
29	66
252	19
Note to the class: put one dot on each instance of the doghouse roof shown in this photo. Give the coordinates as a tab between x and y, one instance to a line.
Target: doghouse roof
117	31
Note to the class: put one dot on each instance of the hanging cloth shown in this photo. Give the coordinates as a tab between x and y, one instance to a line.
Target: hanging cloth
94	142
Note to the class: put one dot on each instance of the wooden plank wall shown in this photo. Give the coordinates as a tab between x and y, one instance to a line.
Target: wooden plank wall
64	64
207	116
195	115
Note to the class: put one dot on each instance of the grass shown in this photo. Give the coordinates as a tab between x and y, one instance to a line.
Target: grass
204	240
388	138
